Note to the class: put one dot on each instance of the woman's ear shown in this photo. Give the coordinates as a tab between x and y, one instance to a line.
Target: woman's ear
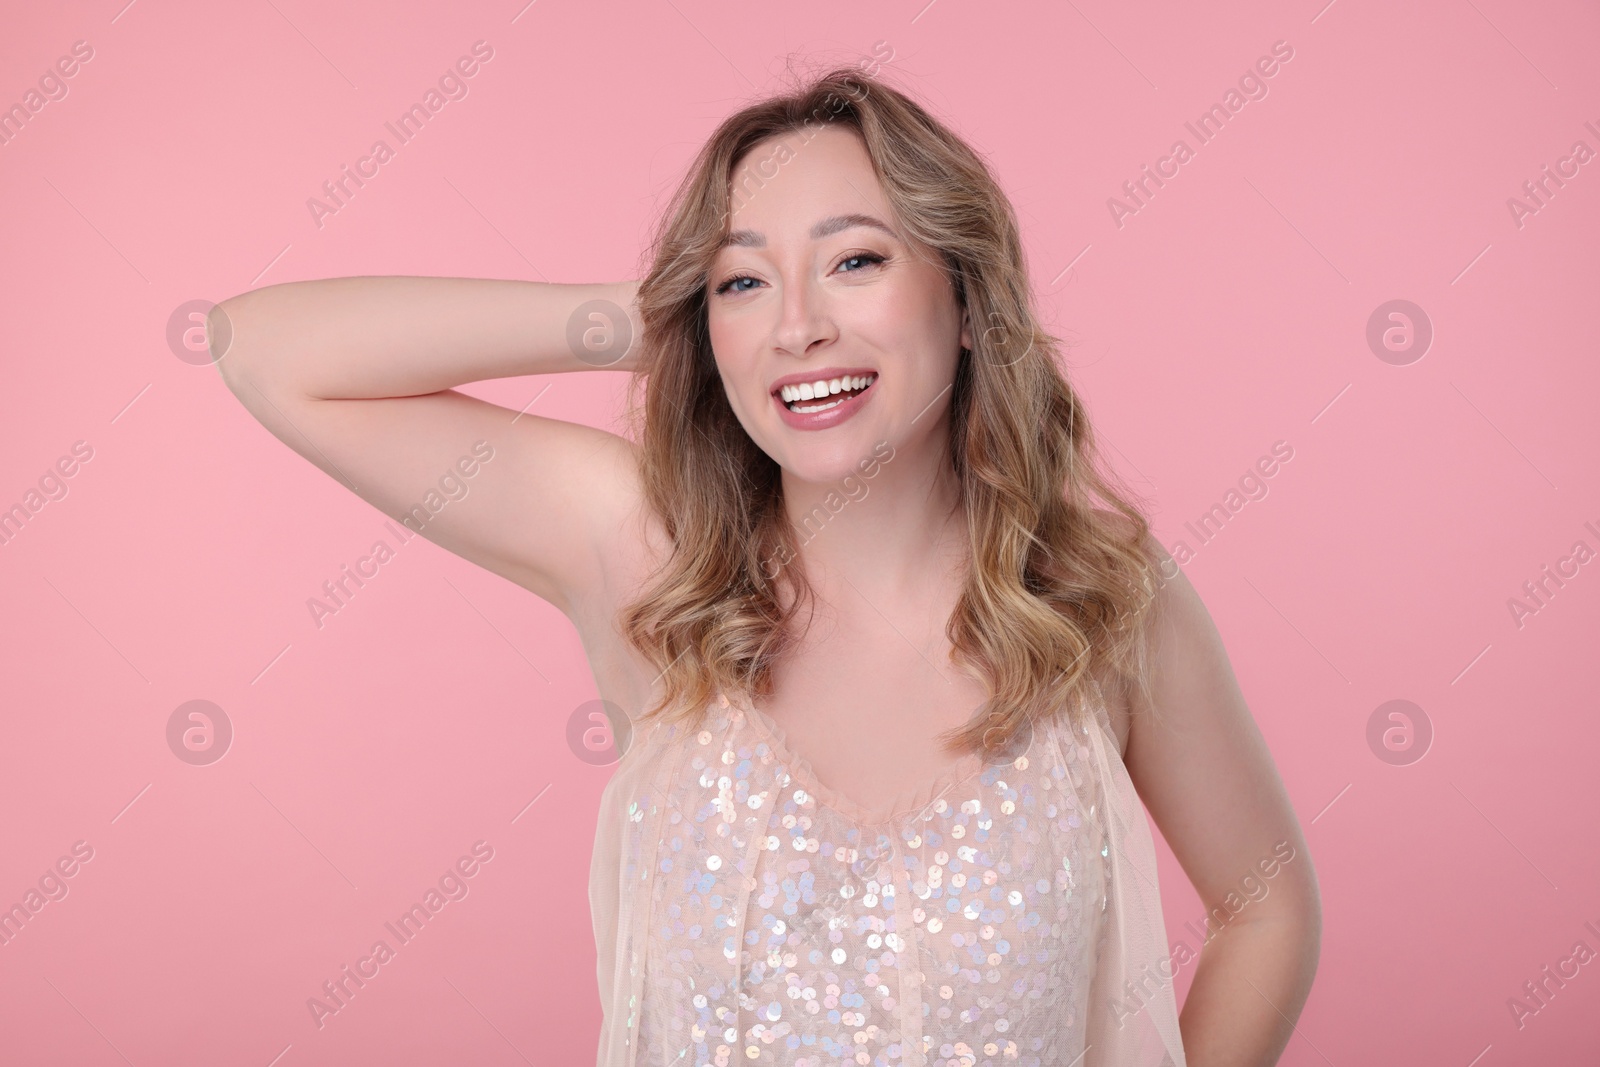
966	330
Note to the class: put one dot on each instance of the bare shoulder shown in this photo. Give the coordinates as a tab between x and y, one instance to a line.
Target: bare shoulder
1115	691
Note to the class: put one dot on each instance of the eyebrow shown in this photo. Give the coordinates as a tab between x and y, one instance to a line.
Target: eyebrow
830	225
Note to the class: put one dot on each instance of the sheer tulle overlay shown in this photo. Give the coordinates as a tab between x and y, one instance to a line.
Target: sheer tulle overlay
1008	913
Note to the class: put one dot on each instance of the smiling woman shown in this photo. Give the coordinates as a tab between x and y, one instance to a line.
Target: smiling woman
908	828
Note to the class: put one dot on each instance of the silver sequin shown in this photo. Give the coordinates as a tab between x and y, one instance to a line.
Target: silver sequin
781	931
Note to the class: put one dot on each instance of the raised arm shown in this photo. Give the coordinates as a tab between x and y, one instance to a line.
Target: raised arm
357	375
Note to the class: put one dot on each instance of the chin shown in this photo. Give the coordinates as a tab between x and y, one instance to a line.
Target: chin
861	455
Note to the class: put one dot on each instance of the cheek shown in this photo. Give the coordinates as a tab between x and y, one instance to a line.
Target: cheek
917	337
738	385
922	314
730	348
733	349
717	337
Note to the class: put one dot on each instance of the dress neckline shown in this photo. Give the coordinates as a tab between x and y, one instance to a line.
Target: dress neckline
907	804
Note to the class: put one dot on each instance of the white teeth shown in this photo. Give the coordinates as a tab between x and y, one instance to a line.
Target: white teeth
805	409
825	387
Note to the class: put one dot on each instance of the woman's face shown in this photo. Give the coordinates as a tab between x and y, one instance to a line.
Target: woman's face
809	289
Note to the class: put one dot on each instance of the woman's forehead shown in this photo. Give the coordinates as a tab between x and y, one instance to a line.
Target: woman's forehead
832	164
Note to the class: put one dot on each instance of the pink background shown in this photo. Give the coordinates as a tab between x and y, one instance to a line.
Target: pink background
1228	313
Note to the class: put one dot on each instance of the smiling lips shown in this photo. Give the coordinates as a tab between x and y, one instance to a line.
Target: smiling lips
824	401
847	385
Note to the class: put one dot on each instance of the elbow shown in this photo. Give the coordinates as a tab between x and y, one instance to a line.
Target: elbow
1304	930
255	345
1293	914
219	338
1303	938
1290	915
1306	908
234	337
1298	903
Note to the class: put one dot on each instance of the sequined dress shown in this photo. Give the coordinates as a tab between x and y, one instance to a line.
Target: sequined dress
746	913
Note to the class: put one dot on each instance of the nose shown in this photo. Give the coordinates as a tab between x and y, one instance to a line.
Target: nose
803	318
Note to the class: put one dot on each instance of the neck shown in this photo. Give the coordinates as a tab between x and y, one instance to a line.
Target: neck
897	535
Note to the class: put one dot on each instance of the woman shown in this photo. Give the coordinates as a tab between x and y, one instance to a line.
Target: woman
895	683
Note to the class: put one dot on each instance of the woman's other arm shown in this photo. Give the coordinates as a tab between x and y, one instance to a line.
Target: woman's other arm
1203	769
357	375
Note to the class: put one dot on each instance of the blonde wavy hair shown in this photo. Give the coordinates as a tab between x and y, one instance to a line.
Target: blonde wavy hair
1056	584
